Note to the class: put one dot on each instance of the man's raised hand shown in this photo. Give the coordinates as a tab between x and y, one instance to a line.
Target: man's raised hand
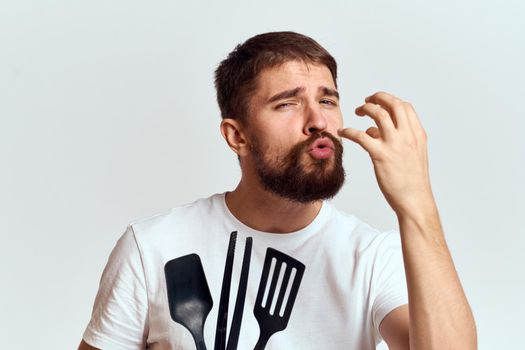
398	148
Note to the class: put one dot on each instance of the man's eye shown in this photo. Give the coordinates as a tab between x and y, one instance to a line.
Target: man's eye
284	105
328	102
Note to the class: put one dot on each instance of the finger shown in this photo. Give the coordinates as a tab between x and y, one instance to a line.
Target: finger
380	116
373	132
360	137
414	121
393	105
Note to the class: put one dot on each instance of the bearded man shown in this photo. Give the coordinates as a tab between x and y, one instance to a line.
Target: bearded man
279	102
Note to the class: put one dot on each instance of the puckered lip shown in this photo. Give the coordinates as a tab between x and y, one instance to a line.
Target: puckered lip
322	142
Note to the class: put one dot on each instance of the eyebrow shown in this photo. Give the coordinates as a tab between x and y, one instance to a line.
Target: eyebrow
329	92
326	91
286	94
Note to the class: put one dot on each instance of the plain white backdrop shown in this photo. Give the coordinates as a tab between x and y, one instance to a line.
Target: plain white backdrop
108	115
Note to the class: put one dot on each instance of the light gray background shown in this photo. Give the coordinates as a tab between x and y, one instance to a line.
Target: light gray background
108	115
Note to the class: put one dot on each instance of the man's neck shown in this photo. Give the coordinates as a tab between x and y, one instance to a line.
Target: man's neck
267	212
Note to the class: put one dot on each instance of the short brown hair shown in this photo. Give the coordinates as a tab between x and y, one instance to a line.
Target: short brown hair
236	76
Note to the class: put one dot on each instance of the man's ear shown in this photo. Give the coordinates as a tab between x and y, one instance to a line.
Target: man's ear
233	132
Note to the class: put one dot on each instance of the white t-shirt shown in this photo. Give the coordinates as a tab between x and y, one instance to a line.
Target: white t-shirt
353	278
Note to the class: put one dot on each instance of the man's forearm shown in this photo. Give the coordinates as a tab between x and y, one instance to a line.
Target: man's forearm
440	316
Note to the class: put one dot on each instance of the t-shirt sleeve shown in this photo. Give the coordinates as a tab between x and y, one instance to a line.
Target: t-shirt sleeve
119	317
389	289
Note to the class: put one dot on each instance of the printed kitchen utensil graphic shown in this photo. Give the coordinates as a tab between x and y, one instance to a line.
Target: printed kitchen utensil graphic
233	336
189	296
190	300
222	317
273	315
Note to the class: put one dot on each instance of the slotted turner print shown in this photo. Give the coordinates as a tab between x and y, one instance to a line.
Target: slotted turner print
273	316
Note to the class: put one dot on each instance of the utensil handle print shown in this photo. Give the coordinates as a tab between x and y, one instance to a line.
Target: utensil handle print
222	316
233	337
262	341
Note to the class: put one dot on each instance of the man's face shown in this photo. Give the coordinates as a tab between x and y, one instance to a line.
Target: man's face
293	117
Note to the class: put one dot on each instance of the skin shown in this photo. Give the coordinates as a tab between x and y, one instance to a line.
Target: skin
279	125
439	316
397	147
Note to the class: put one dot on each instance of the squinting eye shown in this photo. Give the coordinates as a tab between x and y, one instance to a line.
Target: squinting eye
328	102
284	105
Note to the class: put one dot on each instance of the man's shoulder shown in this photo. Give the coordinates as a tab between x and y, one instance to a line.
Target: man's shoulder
358	229
350	221
180	216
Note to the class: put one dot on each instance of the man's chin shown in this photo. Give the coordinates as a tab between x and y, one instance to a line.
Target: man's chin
321	167
307	198
314	187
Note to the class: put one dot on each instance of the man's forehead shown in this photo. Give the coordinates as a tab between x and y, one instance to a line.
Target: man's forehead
292	74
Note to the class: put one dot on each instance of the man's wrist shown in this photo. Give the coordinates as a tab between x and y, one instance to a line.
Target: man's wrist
419	214
416	206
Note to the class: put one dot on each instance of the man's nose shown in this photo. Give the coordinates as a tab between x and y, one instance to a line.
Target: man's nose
315	120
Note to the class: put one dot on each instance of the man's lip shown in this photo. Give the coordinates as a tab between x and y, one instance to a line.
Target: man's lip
322	142
322	148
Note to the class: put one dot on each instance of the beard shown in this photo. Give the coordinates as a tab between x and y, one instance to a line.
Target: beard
300	177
